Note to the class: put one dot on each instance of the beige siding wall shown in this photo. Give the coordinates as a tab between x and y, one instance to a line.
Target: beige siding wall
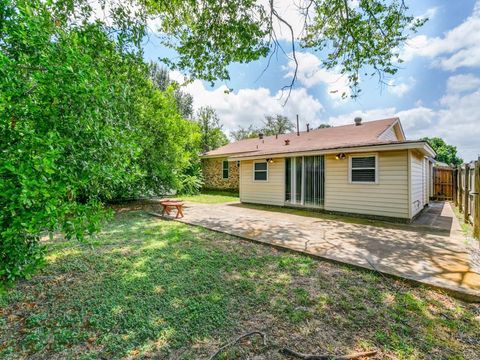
271	192
417	174
387	198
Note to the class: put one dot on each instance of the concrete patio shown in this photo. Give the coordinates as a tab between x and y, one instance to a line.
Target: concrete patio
431	251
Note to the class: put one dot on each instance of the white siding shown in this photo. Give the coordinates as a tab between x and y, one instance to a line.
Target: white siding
387	198
271	192
418	183
389	135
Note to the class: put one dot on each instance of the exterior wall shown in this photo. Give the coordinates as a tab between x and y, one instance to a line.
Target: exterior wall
389	197
389	135
270	192
213	175
418	182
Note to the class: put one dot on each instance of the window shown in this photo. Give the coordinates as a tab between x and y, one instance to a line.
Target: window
260	171
225	169
363	169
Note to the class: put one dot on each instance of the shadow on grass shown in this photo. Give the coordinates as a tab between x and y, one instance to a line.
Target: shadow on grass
148	287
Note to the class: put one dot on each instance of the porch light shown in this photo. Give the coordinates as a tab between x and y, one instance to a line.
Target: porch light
340	156
269	160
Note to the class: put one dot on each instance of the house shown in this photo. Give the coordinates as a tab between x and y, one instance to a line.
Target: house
366	168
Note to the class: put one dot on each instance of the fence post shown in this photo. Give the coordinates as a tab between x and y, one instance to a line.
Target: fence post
476	208
454	186
460	189
466	193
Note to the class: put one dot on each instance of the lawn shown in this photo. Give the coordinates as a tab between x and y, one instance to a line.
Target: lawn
212	197
152	288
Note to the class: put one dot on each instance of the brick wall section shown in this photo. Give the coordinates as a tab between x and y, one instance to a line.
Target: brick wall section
212	173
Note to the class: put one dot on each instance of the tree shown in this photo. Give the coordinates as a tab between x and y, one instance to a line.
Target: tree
74	133
324	126
212	135
277	125
244	133
445	153
161	80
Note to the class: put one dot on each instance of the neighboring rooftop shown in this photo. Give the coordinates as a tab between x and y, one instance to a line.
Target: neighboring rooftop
354	135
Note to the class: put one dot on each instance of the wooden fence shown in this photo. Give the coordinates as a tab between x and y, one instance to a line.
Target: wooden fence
466	180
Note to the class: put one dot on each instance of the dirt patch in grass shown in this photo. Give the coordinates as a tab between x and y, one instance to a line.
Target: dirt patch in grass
149	288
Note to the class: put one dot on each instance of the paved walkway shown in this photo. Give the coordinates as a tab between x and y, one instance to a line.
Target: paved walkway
435	257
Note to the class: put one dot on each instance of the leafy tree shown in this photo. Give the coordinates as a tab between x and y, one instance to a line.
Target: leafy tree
161	80
445	153
277	125
73	132
210	35
324	126
244	133
212	135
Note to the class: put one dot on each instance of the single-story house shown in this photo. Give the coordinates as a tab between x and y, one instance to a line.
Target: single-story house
366	168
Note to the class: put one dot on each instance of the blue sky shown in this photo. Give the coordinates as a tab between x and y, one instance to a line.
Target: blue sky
435	93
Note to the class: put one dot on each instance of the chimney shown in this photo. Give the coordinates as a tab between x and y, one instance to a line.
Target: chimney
308	127
260	136
358	121
287	142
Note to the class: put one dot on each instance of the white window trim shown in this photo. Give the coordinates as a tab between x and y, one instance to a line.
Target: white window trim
253	171
228	170
350	169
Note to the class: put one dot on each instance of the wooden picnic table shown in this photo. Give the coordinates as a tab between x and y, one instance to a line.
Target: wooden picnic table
168	205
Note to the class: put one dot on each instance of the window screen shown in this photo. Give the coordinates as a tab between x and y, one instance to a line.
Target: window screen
225	169
363	169
260	171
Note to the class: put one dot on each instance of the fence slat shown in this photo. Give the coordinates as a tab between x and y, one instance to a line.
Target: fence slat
476	207
466	211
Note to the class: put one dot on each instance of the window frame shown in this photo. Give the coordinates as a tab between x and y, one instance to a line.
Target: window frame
227	169
254	171
350	169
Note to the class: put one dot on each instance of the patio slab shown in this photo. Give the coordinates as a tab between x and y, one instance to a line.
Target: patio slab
436	257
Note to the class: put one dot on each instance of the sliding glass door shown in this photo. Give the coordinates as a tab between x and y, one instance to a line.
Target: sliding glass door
305	181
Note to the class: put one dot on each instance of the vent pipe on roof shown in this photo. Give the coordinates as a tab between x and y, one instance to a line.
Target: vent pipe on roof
298	127
287	142
308	127
358	121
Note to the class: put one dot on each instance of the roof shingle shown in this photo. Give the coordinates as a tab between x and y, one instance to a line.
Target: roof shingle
320	139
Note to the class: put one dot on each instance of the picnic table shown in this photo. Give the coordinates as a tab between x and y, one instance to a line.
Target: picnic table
168	205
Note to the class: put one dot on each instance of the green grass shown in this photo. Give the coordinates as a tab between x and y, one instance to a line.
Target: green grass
147	287
212	197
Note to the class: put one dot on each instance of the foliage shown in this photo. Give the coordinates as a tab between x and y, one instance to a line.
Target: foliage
161	80
324	126
279	124
191	184
210	35
161	289
244	133
445	153
73	132
212	135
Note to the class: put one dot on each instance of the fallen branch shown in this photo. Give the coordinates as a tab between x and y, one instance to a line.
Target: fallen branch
288	352
231	343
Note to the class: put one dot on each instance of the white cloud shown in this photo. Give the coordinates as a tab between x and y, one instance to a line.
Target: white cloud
249	106
311	73
456	48
463	82
400	88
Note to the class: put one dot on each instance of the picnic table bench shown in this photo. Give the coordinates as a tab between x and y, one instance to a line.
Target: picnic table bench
168	205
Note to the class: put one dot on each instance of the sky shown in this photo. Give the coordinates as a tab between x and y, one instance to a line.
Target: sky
436	92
